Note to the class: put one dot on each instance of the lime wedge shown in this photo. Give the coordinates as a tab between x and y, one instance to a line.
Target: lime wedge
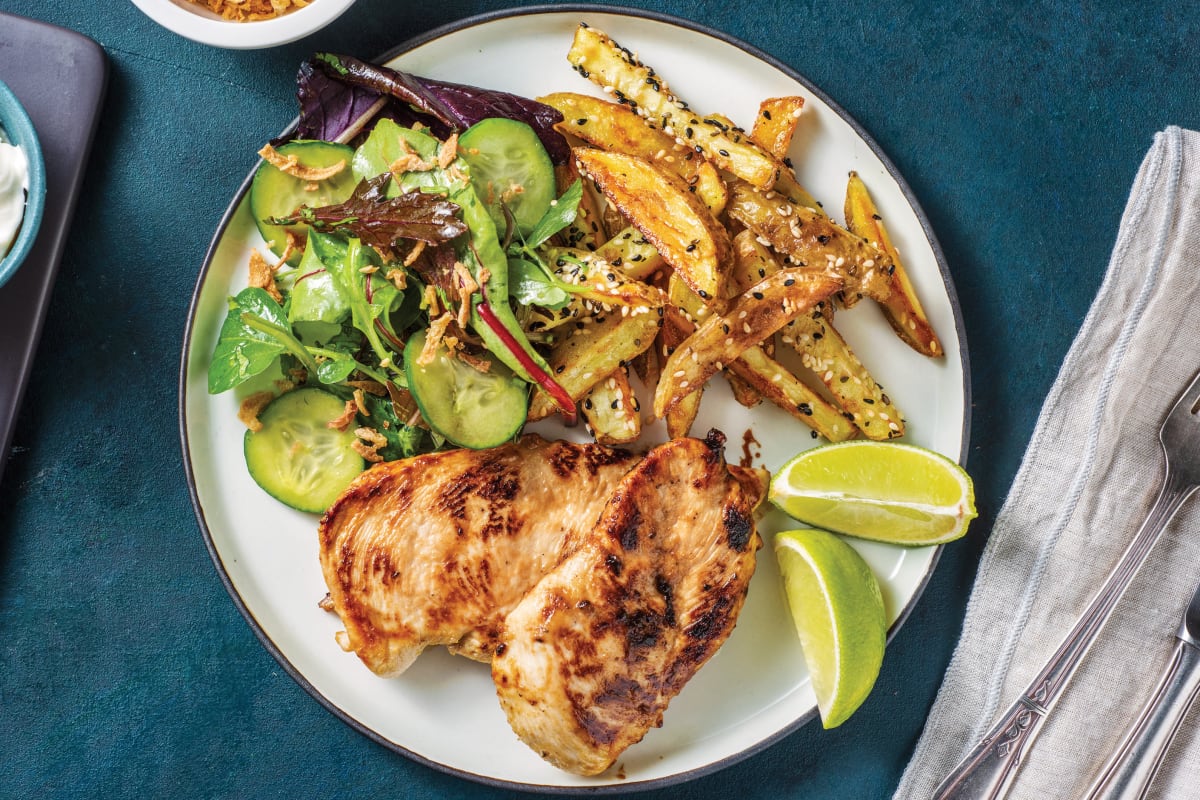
838	610
890	492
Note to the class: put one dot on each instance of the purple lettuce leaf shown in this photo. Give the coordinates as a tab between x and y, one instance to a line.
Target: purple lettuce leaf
328	107
335	91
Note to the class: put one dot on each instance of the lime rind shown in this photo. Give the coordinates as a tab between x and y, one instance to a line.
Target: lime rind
838	610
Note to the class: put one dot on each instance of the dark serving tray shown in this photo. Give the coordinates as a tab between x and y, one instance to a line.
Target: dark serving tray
59	76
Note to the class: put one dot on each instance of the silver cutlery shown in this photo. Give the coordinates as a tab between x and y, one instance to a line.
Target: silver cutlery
1133	765
987	772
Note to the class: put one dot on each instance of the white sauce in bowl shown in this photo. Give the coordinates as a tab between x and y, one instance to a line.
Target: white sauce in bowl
14	187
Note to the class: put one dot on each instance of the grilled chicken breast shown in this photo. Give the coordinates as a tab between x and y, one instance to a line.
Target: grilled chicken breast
437	549
590	658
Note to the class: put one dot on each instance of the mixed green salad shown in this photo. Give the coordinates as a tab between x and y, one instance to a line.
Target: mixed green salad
410	222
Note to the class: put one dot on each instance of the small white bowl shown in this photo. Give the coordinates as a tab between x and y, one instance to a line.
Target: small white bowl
197	23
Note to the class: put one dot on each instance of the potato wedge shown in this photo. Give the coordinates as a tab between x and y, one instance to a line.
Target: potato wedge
775	124
594	350
595	56
901	307
775	383
631	252
773	130
680	296
766	308
613	127
824	352
809	238
611	410
607	287
672	219
680	417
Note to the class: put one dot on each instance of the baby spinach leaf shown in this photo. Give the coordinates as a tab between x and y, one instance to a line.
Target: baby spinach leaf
315	296
558	216
403	440
243	351
335	367
529	285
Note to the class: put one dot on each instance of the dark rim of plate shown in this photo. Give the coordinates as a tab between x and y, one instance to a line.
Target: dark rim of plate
273	648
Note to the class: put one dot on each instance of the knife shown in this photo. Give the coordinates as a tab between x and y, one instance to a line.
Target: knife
1132	766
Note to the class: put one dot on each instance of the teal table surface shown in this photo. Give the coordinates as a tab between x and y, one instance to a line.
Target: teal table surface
125	668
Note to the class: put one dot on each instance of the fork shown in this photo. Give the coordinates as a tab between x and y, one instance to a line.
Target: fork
987	771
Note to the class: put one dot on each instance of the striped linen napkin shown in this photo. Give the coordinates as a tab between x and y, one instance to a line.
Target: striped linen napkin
1088	478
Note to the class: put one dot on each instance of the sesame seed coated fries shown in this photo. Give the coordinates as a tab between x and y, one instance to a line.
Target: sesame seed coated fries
748	257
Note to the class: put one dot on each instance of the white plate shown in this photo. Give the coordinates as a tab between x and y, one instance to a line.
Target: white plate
443	711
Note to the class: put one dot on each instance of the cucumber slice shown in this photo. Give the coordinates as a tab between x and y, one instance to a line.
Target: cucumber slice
296	457
470	408
508	163
274	193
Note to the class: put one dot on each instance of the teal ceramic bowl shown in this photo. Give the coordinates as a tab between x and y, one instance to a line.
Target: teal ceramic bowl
18	129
